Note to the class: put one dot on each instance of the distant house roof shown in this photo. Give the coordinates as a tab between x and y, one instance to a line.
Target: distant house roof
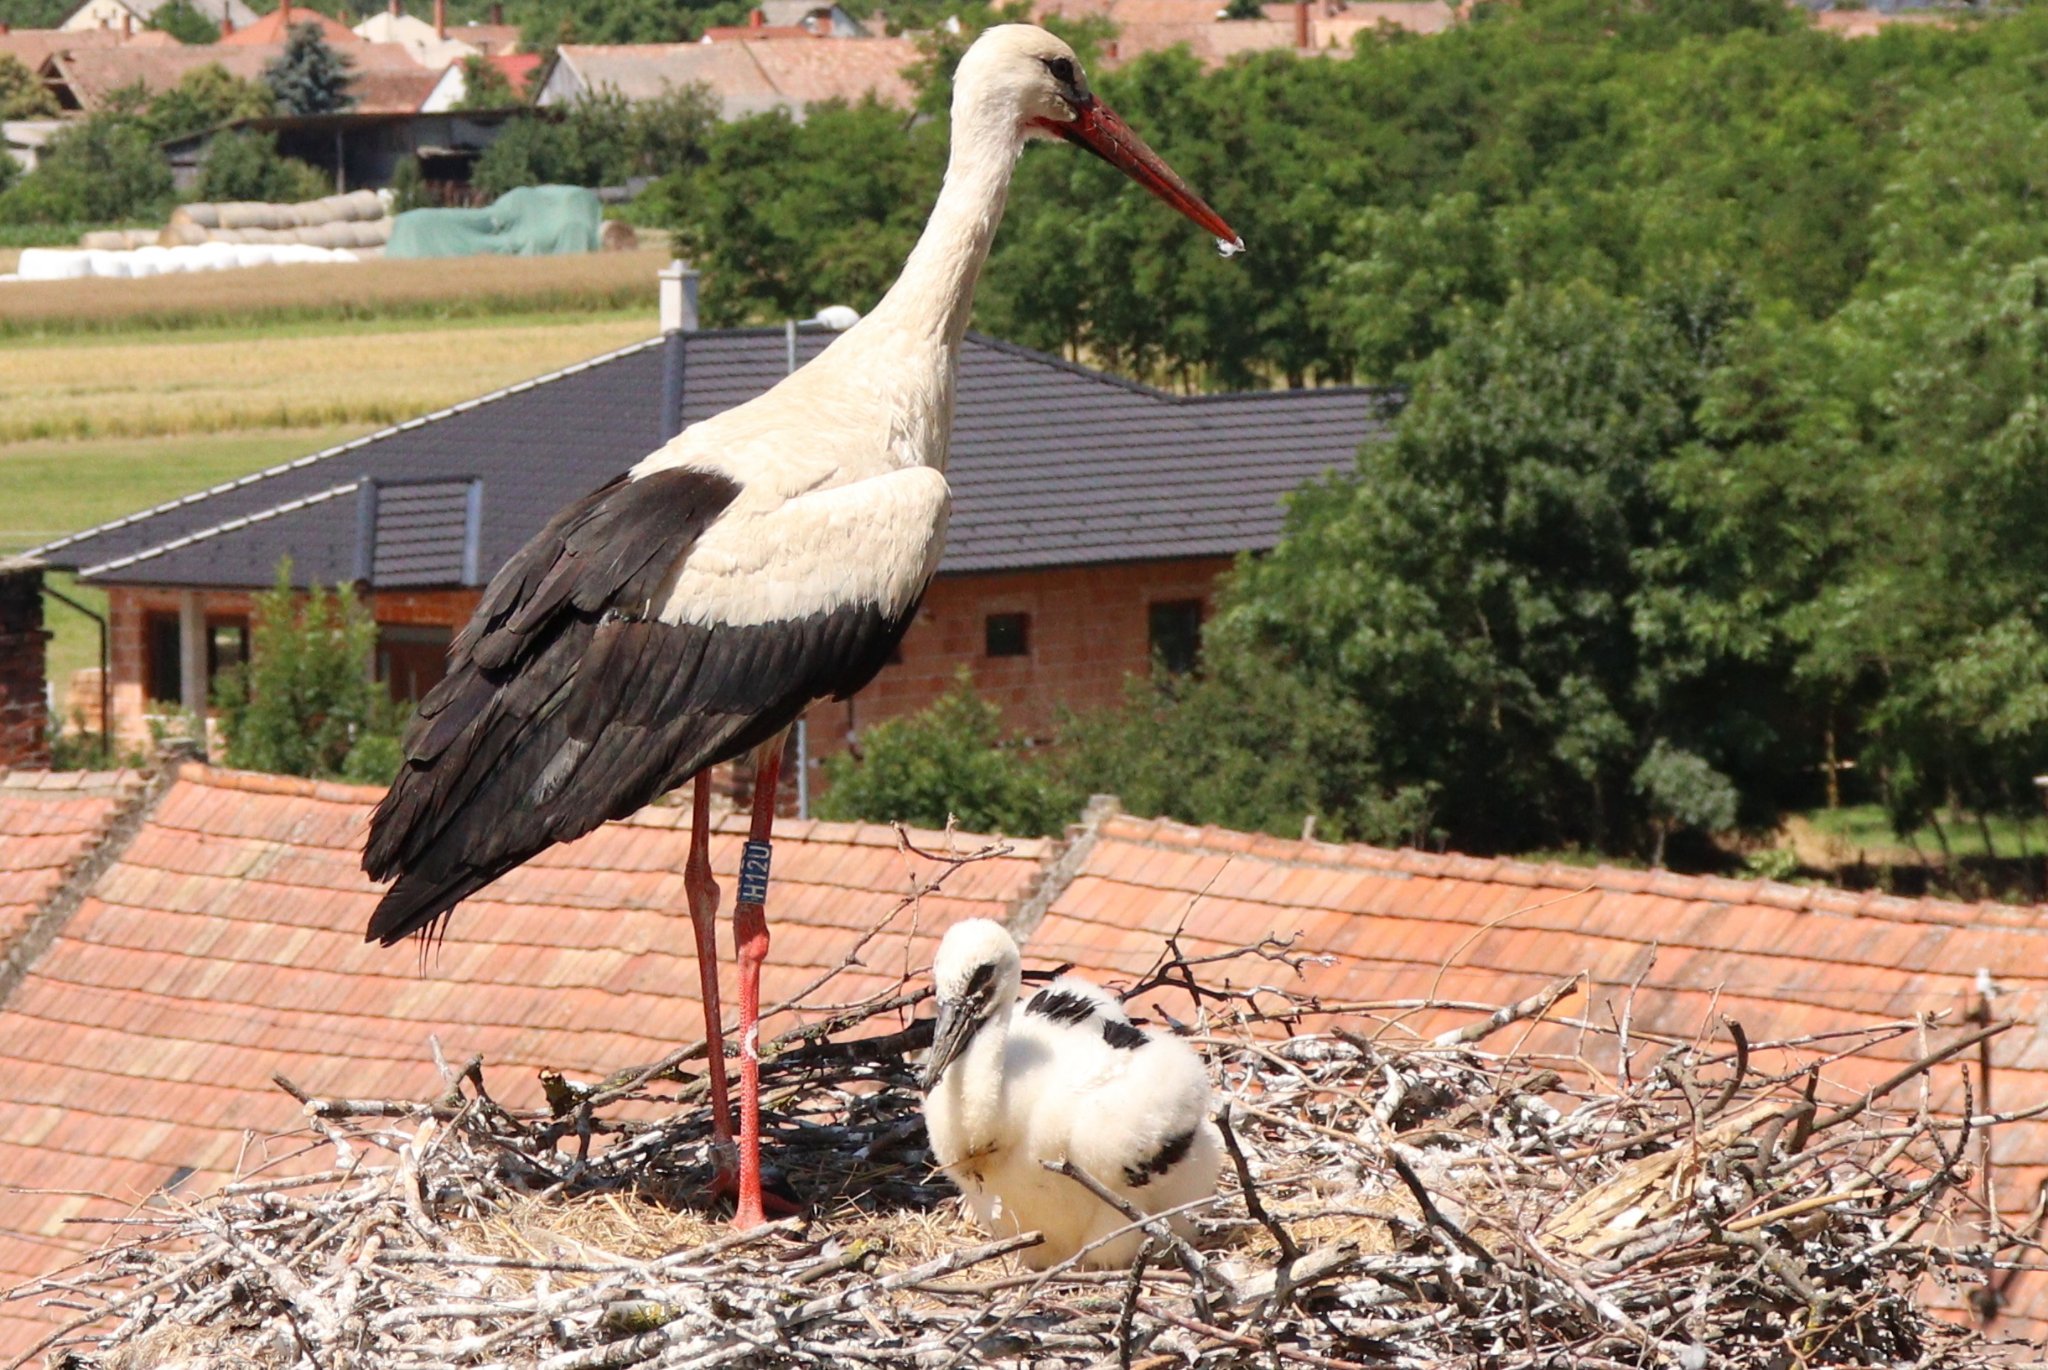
383	76
805	14
745	78
1155	25
1134	473
273	27
214	10
751	33
33	47
428	47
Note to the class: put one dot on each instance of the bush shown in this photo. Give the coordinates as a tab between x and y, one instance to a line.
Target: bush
245	165
100	170
947	761
600	141
206	97
306	703
185	23
22	96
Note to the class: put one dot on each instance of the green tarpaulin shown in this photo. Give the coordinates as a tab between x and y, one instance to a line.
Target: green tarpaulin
532	221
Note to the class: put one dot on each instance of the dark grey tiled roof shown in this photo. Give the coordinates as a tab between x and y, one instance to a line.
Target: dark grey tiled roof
1052	464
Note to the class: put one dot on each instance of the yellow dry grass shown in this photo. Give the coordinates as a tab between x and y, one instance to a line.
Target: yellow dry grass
471	287
356	374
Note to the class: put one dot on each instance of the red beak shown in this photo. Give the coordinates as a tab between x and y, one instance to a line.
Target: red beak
1103	132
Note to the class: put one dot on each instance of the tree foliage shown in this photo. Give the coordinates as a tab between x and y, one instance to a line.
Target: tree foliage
104	168
484	86
599	141
306	703
184	22
205	97
309	76
22	96
949	761
246	165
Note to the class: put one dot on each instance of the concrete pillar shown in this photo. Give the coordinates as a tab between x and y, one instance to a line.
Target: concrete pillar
24	656
192	653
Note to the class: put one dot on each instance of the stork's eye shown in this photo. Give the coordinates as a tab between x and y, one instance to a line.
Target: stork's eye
1062	69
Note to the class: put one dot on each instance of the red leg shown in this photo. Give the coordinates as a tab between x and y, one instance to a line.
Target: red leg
750	936
703	895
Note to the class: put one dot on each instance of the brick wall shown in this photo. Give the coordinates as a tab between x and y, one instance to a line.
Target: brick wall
1088	631
127	606
24	713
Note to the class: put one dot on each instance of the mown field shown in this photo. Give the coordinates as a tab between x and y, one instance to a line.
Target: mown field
118	395
470	288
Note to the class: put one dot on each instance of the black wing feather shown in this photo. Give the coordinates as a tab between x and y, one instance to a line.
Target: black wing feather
566	703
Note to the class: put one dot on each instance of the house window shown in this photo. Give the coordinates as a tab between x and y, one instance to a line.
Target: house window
412	658
1007	635
1173	630
227	646
162	681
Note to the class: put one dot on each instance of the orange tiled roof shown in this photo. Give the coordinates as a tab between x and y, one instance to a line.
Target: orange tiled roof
271	28
49	822
1783	960
224	943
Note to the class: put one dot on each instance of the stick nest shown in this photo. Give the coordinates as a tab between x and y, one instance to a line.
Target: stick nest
1394	1200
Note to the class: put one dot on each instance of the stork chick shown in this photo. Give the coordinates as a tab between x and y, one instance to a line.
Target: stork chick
1068	1078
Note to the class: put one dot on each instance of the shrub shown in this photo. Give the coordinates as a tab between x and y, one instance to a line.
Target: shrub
245	165
22	96
306	703
206	97
949	760
102	169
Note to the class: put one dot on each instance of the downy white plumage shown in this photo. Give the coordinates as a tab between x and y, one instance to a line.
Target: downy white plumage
1064	1076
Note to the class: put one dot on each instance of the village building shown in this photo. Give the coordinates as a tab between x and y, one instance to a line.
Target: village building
136	14
1079	552
787	73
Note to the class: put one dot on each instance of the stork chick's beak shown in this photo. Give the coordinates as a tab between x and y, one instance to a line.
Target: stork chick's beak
955	1029
1101	130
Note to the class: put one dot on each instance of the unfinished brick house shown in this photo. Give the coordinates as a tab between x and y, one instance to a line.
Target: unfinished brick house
1091	519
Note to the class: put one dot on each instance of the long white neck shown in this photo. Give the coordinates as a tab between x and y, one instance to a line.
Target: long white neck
977	1085
935	293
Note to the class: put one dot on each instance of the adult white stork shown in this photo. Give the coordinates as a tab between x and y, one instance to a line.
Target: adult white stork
1068	1078
690	610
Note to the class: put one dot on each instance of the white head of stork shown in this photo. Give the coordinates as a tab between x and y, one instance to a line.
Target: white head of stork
770	556
1070	1077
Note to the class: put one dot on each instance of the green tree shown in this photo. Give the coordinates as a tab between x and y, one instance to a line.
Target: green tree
1480	586
22	96
1680	791
484	86
245	165
184	22
205	97
306	704
103	169
309	77
949	760
601	140
786	218
1249	744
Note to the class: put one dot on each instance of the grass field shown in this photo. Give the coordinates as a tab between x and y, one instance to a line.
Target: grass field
469	288
59	487
118	395
139	385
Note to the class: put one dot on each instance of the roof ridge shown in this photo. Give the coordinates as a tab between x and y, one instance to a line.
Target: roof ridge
264	782
50	917
1505	870
300	463
158	549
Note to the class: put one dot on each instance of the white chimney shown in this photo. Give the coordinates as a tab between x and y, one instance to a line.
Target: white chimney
678	297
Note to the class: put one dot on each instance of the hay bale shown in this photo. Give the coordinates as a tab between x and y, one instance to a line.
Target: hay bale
182	233
360	204
200	215
617	236
115	239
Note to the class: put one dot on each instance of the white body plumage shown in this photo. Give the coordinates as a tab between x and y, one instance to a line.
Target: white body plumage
1064	1076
